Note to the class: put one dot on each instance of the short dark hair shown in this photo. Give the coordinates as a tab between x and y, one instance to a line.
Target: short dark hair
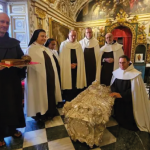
49	41
125	56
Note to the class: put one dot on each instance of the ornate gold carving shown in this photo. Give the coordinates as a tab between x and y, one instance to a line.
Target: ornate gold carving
134	19
40	13
51	1
141	39
50	27
121	16
141	28
141	35
101	37
108	22
148	55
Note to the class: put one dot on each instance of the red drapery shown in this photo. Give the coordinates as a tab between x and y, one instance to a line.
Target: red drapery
126	34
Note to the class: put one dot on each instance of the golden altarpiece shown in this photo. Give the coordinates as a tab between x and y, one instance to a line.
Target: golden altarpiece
139	54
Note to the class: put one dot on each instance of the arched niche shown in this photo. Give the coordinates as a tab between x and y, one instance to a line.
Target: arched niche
133	29
123	35
140	49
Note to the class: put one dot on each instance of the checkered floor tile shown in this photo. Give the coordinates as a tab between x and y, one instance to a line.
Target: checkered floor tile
53	136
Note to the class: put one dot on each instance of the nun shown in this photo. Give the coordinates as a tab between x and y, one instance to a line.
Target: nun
51	44
42	88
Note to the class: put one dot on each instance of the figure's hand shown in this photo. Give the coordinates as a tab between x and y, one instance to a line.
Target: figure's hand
2	67
115	95
109	60
73	65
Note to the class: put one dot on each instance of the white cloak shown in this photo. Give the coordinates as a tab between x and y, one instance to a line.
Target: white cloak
55	53
117	52
91	43
65	65
141	103
36	99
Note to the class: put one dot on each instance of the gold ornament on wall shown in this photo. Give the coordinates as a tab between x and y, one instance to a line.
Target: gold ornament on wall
148	54
40	13
51	1
141	28
121	16
108	22
101	37
141	35
141	39
134	19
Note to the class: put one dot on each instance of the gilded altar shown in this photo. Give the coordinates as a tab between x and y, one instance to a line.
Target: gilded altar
137	30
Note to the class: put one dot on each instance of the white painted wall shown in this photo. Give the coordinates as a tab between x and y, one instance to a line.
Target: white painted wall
19	24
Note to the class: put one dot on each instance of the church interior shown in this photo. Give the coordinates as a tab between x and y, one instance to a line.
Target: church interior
127	20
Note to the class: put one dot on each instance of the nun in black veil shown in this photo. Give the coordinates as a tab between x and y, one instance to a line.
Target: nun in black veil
42	88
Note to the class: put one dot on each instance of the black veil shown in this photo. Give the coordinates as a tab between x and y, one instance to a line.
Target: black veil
49	41
35	36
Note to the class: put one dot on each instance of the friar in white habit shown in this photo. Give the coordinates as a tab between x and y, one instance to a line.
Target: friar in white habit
90	46
72	67
42	87
109	58
132	106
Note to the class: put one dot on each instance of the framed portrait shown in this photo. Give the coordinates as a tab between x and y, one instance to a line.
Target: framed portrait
139	58
59	32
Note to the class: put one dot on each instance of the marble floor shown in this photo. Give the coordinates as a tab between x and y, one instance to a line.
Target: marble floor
53	136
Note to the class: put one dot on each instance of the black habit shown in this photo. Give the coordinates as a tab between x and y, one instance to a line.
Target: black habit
90	65
11	109
72	93
123	107
50	76
57	66
107	69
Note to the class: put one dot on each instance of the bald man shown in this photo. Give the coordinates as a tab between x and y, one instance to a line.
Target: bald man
72	67
110	54
91	50
11	110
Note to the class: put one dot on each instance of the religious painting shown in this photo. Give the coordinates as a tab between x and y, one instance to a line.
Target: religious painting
139	58
102	9
59	32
